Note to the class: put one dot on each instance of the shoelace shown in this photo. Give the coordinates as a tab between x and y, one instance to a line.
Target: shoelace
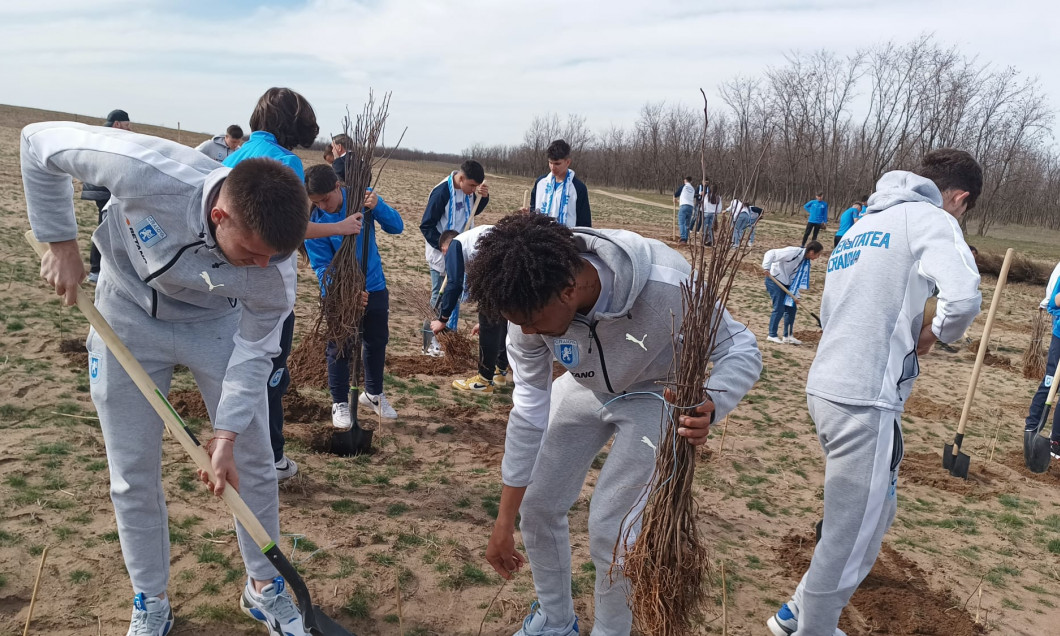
281	607
146	623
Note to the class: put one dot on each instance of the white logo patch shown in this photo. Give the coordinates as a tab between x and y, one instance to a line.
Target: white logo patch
206	277
639	342
93	368
149	232
567	352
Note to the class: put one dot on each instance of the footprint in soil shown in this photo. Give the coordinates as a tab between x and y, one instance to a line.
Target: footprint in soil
895	598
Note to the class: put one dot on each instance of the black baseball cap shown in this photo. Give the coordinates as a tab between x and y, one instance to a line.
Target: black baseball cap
115	116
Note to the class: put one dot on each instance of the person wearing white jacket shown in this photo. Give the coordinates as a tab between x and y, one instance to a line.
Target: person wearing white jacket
791	267
605	304
878	279
198	268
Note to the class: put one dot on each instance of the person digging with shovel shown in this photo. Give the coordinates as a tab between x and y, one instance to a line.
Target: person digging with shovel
787	272
877	282
198	269
1050	303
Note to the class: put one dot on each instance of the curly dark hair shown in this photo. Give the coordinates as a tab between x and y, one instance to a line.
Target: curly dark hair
520	265
953	169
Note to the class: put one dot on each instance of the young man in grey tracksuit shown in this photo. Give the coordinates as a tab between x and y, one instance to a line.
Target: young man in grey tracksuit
602	303
197	269
878	279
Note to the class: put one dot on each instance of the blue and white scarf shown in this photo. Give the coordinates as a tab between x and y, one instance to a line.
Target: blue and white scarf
801	280
550	191
468	202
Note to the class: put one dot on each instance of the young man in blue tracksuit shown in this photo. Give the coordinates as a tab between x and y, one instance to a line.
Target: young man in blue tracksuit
275	133
872	309
818	210
1050	303
847	220
329	200
449	208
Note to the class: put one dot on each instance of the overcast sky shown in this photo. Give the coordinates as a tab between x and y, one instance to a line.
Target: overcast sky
462	71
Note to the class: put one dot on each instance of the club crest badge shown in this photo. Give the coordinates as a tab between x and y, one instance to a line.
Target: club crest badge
93	368
567	352
149	232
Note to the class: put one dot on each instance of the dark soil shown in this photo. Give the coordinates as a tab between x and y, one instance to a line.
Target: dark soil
75	352
895	598
984	478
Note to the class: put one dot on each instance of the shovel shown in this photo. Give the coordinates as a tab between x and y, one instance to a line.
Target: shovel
952	458
314	619
358	439
1035	445
785	289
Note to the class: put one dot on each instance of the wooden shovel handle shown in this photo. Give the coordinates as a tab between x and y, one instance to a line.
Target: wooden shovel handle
174	424
526	198
471	214
780	285
984	343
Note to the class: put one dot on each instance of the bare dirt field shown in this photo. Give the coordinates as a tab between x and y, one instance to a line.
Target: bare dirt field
411	520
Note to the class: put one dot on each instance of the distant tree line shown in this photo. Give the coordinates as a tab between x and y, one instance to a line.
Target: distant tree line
827	123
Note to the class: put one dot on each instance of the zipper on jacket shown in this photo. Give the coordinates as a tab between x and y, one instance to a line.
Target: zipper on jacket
172	261
603	365
154	303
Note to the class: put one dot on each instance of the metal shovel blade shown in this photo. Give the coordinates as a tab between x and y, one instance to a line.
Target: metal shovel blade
355	441
818	319
314	619
428	335
960	465
320	624
1037	455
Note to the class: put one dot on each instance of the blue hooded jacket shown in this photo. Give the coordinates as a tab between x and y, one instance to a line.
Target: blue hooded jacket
818	211
1054	310
322	250
846	221
263	144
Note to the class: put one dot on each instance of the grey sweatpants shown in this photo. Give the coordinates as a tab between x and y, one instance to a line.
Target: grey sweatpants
862	448
579	426
132	432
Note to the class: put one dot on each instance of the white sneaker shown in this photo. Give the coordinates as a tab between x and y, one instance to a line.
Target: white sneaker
379	404
340	416
151	616
775	339
534	625
792	340
286	468
274	608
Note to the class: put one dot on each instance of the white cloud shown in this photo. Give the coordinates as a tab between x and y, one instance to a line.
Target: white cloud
463	71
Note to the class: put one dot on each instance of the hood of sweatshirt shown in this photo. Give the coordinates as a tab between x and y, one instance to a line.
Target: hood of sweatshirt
628	255
899	186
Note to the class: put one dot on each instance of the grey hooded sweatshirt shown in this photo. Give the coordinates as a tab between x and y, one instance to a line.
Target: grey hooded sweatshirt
157	243
625	347
215	148
878	279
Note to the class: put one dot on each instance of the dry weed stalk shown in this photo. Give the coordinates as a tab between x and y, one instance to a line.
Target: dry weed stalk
461	352
668	563
340	305
1034	358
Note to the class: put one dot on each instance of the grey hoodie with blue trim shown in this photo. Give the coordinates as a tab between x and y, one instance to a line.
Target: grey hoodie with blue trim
878	279
625	348
157	244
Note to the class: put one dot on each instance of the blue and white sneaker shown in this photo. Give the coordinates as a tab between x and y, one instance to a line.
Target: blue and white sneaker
784	623
151	616
274	608
534	625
